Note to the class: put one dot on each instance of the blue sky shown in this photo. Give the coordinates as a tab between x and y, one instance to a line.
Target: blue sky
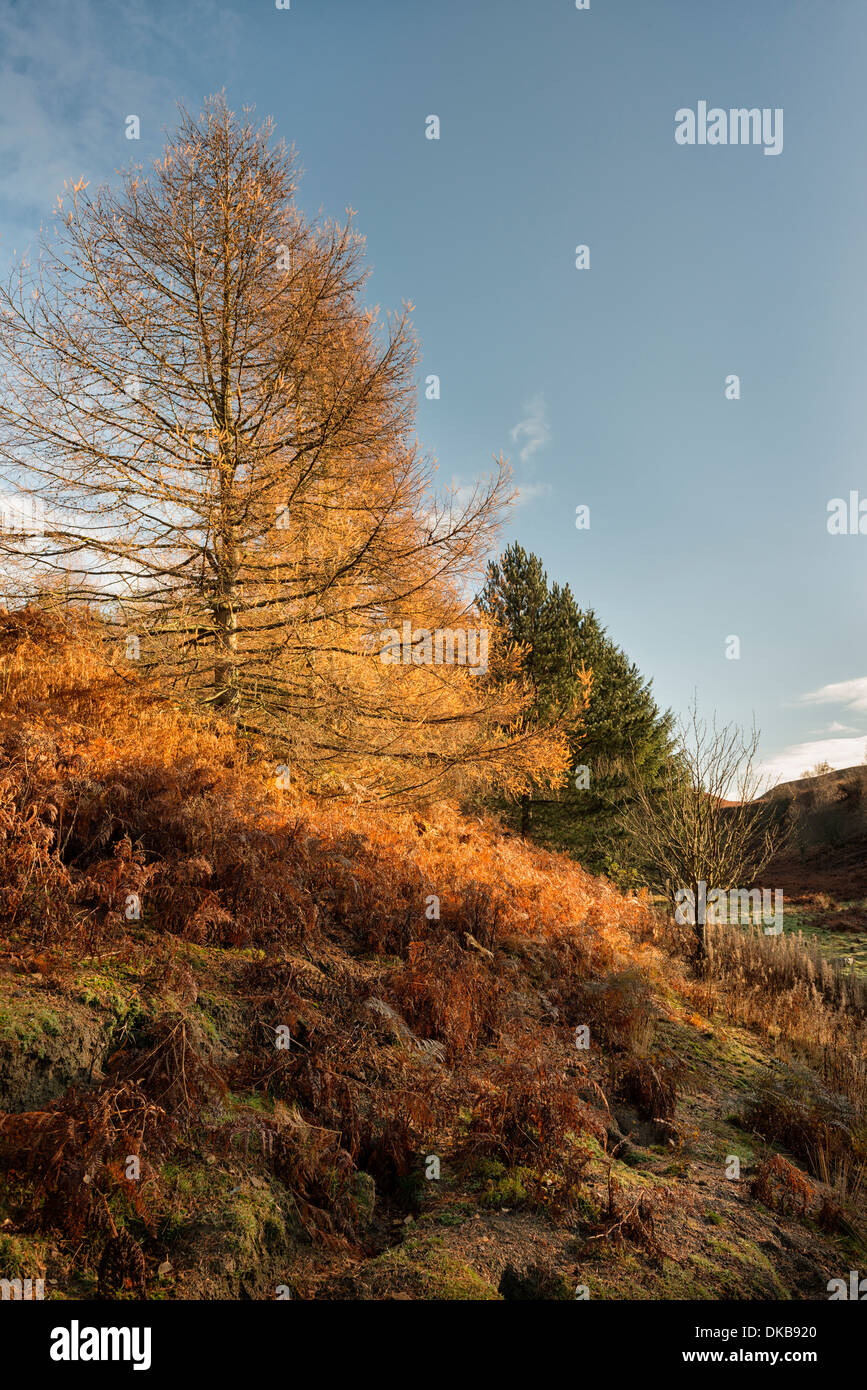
606	386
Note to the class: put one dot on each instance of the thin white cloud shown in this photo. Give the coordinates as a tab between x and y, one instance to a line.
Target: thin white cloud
851	694
528	492
462	493
788	765
534	429
58	123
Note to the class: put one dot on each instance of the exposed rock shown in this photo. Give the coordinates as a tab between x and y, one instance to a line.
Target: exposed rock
477	946
402	1033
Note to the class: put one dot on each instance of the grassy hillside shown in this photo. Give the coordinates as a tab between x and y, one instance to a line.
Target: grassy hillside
823	870
253	1044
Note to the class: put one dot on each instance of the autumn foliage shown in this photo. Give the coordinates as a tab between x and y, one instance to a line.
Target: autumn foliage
429	973
212	434
112	794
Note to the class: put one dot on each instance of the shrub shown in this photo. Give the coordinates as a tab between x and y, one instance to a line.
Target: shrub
781	1186
526	1116
650	1083
444	992
818	1125
629	1218
618	1009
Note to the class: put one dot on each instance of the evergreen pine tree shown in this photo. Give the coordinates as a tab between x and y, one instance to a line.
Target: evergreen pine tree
620	732
544	622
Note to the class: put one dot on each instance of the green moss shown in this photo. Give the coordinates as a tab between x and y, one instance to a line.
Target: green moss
424	1269
190	1191
27	1026
748	1255
20	1258
250	1100
256	1221
499	1186
245	1217
486	1169
508	1190
586	1209
450	1216
207	1024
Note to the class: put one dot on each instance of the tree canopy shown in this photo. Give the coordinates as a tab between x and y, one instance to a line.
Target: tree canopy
216	433
620	730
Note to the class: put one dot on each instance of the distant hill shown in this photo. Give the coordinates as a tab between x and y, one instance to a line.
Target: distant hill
842	784
828	817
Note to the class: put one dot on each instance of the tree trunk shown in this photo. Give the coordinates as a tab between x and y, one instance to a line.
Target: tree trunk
225	663
700	954
225	611
526	816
